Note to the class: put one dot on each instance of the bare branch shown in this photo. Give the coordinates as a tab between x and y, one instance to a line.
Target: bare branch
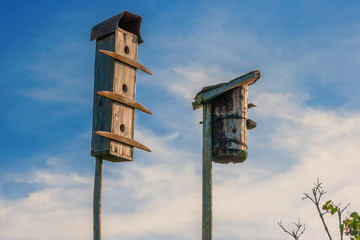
295	233
329	207
308	197
318	192
344	208
298	226
339	211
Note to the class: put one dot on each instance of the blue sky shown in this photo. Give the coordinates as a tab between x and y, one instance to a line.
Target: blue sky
308	117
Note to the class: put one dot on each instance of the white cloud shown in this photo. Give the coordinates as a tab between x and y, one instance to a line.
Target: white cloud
158	196
59	210
186	80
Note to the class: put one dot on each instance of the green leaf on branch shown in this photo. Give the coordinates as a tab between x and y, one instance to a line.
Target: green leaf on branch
334	210
326	205
354	215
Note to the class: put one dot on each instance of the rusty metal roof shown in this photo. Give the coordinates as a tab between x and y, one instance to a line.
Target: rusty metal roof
126	20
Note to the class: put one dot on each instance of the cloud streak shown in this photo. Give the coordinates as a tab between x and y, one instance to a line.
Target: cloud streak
301	135
159	194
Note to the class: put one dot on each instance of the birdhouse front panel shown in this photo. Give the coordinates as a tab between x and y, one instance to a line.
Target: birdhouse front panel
124	84
229	116
116	77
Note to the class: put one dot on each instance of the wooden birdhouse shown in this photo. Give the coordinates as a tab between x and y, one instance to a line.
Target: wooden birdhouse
225	120
117	41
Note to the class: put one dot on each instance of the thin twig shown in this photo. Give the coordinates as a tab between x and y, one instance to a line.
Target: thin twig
294	233
340	221
318	192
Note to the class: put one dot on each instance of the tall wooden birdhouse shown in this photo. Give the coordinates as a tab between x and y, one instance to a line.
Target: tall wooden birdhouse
225	120
117	41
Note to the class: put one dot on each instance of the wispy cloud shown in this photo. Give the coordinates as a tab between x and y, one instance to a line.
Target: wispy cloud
60	209
158	196
160	193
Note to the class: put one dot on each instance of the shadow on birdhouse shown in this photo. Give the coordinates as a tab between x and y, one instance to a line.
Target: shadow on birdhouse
227	120
117	41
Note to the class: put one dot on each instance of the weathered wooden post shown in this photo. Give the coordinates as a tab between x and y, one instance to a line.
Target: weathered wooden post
117	40
225	122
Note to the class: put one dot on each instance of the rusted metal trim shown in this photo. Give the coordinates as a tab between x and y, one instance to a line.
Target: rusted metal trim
224	140
125	60
128	21
227	117
122	139
124	100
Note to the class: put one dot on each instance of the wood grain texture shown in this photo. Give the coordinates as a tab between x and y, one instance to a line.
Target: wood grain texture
120	78
206	95
124	100
126	60
123	140
229	115
97	199
102	107
124	75
207	174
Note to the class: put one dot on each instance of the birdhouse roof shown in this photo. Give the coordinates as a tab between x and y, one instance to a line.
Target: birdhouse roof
210	92
126	20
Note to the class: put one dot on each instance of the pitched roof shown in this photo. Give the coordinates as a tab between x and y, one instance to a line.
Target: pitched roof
210	92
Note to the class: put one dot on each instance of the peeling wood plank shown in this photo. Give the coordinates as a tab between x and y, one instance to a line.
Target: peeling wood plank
124	83
229	115
120	78
102	107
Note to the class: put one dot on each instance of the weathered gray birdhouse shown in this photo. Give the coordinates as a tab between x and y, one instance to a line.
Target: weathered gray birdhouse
227	118
117	41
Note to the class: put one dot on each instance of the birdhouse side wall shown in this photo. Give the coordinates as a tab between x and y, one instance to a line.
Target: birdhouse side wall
229	114
102	107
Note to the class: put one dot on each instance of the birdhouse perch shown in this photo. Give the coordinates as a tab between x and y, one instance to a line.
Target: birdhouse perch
228	124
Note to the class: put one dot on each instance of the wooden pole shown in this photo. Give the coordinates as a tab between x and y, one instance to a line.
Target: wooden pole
97	199
207	174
